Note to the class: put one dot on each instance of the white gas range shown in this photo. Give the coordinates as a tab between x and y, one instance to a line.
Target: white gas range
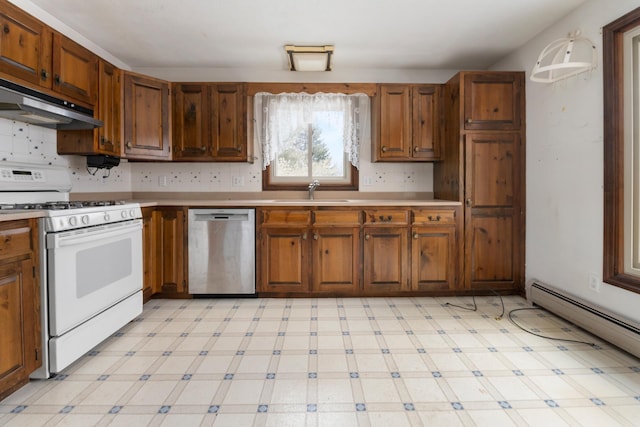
90	261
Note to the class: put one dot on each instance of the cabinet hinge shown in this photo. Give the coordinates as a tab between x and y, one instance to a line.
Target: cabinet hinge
37	354
33	271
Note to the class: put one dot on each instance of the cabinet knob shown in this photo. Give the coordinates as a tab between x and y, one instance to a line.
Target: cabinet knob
384	148
469	120
415	236
416	149
56	79
385	218
315	236
239	149
304	236
44	75
102	140
436	218
128	144
367	236
5	28
468	202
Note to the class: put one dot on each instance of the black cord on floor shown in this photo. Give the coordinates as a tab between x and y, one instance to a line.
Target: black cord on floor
544	336
510	315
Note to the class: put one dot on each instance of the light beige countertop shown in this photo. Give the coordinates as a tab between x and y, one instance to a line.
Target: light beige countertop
261	199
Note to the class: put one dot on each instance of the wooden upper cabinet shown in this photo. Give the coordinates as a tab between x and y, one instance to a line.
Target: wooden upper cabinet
228	129
394	123
75	70
492	101
105	139
210	122
146	118
25	46
426	122
408	123
190	125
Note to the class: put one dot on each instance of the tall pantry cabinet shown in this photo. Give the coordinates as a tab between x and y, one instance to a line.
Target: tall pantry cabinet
483	168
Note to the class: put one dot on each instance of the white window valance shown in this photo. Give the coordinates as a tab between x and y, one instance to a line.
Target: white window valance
279	115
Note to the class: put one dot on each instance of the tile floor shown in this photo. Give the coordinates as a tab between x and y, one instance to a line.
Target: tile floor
337	362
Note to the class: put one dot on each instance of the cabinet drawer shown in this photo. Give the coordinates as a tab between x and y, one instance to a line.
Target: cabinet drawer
286	217
15	241
387	216
434	216
337	217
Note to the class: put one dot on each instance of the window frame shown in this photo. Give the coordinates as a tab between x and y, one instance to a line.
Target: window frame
310	88
614	142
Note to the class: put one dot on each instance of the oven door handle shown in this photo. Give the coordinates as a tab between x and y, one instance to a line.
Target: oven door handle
61	240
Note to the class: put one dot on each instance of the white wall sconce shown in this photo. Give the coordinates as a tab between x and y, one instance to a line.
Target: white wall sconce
564	58
309	58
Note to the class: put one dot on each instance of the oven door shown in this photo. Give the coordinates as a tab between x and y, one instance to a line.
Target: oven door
90	270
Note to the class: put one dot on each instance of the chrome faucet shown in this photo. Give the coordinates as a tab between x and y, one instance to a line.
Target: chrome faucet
312	187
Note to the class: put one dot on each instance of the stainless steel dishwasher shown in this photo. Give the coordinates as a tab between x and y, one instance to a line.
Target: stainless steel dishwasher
222	248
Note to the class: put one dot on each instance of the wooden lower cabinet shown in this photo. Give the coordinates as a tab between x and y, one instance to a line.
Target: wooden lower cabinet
386	261
20	341
433	258
284	260
336	259
169	225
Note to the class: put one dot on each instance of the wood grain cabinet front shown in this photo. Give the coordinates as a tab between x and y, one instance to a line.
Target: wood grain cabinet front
408	123
20	341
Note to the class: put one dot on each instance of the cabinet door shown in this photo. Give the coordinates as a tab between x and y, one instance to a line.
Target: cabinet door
20	319
25	46
191	135
426	122
75	70
228	122
385	259
108	109
149	243
336	259
169	252
394	128
433	258
493	101
284	257
494	229
146	118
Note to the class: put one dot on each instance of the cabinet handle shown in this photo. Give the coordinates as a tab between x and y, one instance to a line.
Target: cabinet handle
468	202
239	149
385	218
304	236
367	236
315	236
56	78
6	29
416	149
384	148
44	75
415	236
437	218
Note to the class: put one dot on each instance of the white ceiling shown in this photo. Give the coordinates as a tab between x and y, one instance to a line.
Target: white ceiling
367	34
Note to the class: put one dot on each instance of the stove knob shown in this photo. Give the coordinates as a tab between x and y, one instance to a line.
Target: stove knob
107	217
85	219
132	213
123	214
73	221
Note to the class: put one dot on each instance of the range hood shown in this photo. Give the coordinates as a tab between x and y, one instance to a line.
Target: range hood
26	105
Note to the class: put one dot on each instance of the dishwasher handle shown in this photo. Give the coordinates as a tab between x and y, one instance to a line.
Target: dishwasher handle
222	217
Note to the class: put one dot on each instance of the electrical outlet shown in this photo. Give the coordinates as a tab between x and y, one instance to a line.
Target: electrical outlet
594	283
368	180
162	180
237	181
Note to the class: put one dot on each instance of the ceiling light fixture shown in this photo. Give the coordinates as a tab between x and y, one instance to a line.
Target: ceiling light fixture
309	58
564	58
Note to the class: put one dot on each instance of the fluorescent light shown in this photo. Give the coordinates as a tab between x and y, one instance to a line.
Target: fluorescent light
309	58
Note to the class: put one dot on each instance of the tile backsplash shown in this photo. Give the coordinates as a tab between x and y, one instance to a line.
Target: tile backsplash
24	143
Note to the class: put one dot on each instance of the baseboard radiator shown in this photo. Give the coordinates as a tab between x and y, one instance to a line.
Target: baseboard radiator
617	330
